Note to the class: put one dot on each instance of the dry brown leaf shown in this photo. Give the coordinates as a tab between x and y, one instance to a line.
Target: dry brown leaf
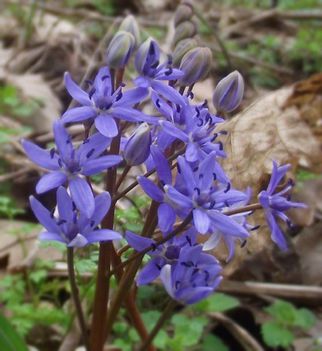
270	129
308	245
17	245
33	86
267	131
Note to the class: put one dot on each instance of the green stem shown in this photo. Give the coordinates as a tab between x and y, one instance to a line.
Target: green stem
75	295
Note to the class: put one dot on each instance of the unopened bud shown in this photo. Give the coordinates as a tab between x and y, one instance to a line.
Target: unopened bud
120	49
148	55
229	92
195	64
186	29
137	149
129	24
181	49
184	12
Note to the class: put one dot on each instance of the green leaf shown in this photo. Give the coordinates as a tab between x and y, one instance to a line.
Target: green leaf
9	339
161	340
150	318
304	318
84	265
275	335
217	303
188	331
122	344
283	312
212	342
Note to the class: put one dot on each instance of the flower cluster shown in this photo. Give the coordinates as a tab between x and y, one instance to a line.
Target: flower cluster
190	184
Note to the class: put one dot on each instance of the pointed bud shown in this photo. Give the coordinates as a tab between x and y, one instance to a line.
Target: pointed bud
181	49
129	24
195	64
229	92
137	149
148	55
184	12
120	49
186	29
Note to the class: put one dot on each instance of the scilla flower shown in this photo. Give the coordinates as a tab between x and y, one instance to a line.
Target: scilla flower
195	276
71	226
69	164
275	204
102	104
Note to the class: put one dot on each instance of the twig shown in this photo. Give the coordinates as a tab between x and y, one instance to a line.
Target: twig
287	291
147	174
241	335
157	243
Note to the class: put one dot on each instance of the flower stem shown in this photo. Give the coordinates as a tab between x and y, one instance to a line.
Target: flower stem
122	176
100	310
166	314
175	232
128	277
75	295
147	174
130	306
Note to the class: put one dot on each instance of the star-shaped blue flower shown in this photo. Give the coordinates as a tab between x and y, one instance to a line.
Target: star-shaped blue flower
69	164
71	226
102	104
275	204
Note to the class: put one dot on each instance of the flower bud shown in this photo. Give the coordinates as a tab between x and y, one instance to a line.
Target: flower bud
229	92
183	13
137	148
120	49
129	24
186	29
148	55
196	65
181	49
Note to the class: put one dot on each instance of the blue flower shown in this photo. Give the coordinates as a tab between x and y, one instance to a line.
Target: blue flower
230	238
71	226
196	191
152	73
68	164
193	125
167	253
194	277
275	204
102	104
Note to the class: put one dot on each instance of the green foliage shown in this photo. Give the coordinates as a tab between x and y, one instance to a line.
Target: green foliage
8	207
187	331
275	335
131	218
9	339
212	342
306	51
279	332
106	7
12	104
16	291
303	175
217	302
